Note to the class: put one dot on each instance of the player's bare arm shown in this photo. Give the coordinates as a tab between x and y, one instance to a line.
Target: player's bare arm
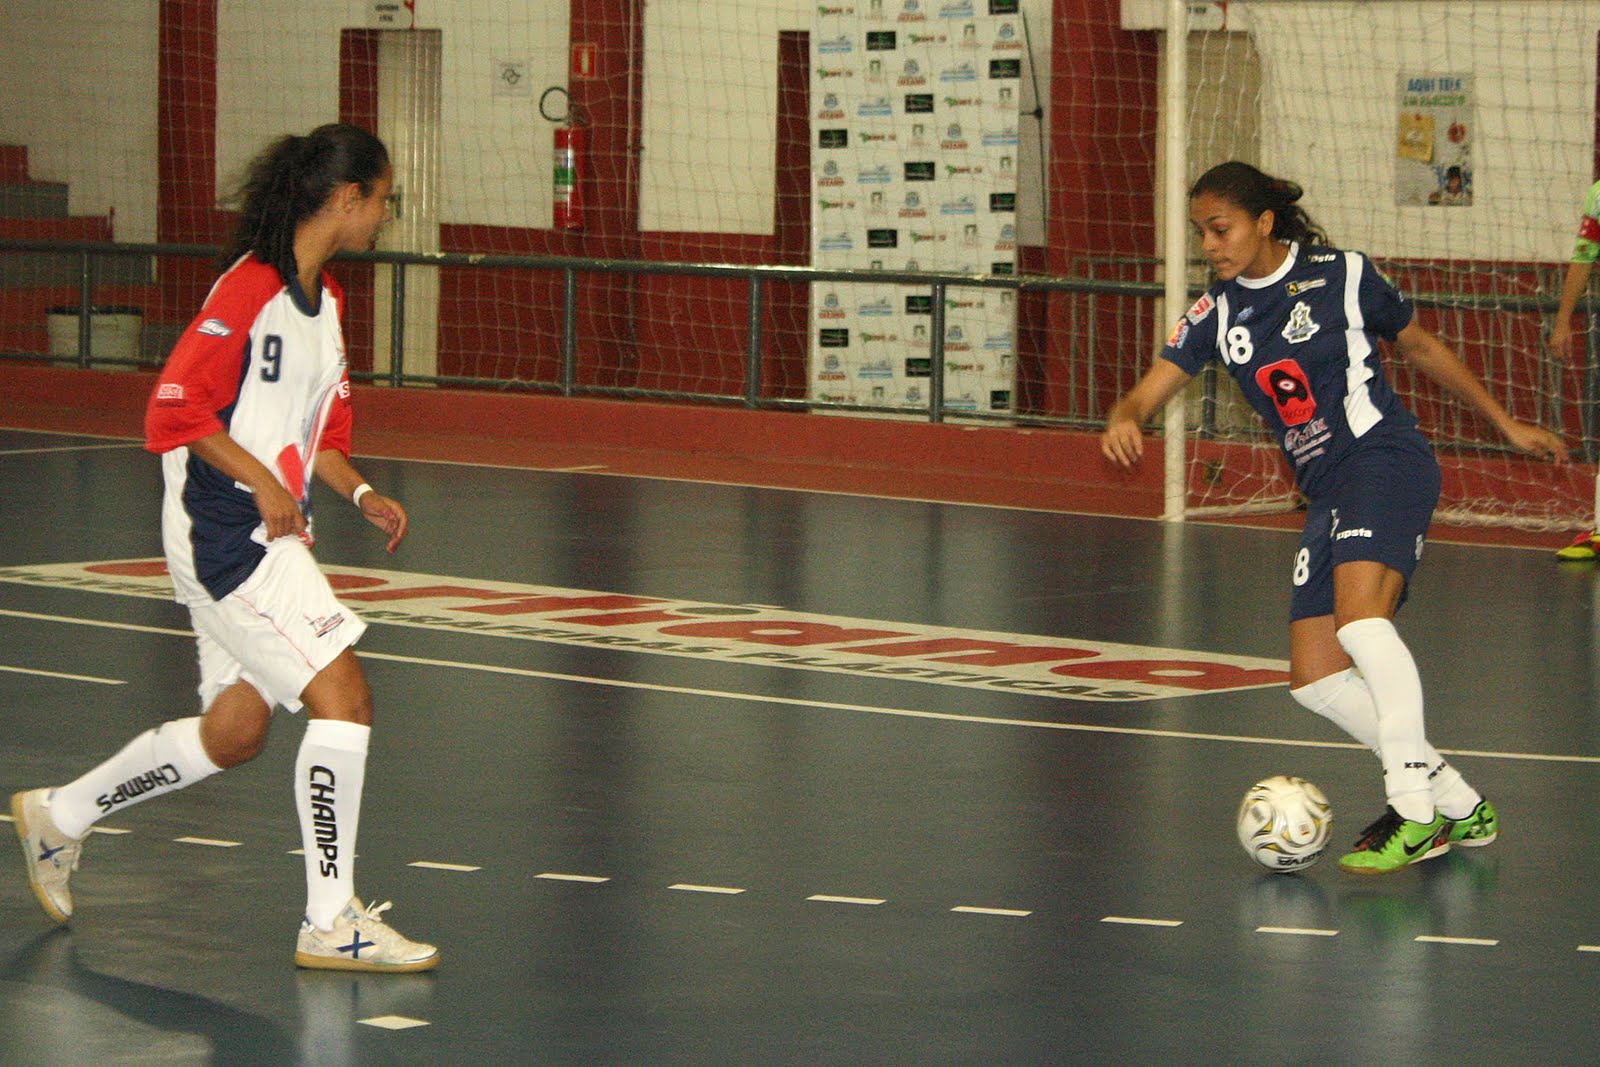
1435	359
278	508
1122	441
338	474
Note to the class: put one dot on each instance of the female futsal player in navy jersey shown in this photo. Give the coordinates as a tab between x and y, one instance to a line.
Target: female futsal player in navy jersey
252	404
1297	324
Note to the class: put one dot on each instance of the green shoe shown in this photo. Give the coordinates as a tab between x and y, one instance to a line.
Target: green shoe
1394	842
1583	547
1479	828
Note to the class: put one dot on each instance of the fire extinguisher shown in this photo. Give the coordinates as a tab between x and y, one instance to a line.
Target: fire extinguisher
571	140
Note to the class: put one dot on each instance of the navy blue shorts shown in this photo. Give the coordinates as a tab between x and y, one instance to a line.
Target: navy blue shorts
1379	509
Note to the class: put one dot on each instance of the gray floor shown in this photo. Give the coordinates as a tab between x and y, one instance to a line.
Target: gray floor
669	772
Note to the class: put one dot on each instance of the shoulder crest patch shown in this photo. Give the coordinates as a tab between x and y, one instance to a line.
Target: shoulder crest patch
214	328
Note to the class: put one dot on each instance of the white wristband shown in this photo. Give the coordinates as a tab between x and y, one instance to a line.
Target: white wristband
361	490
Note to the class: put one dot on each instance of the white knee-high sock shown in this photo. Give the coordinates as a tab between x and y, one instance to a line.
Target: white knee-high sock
328	775
1344	700
159	761
1396	688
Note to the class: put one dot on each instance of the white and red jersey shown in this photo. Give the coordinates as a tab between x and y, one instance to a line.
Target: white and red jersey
264	365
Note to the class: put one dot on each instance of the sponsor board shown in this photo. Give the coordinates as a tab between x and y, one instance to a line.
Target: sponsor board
738	633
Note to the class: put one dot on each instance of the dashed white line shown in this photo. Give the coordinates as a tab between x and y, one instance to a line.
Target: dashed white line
968	909
688	887
1299	931
591	879
432	866
1130	921
1484	942
825	898
394	1022
209	842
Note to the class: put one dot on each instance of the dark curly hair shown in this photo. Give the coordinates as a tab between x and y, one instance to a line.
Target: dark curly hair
1254	191
291	180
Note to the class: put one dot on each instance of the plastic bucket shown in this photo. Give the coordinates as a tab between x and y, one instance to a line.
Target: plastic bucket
115	332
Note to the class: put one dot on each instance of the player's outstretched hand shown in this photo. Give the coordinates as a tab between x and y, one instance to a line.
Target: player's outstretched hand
1537	441
1122	442
1561	341
387	515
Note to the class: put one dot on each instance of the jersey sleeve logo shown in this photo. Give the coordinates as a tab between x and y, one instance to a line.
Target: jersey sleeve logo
1300	326
1286	384
169	392
214	328
1589	228
1179	334
1201	308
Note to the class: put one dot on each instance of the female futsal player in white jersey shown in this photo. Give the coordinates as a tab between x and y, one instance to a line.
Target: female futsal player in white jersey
253	402
1297	324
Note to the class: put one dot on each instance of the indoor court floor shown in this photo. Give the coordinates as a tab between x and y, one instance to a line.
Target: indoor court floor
676	772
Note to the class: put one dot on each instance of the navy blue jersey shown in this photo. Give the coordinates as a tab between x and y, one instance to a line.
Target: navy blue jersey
1302	344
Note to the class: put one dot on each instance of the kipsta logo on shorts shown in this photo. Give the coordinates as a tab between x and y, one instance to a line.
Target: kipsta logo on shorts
1285	382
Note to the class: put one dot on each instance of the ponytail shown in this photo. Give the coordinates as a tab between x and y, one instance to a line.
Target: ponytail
1256	192
291	180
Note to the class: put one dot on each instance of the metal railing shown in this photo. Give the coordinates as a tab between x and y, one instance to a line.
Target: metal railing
1082	346
571	268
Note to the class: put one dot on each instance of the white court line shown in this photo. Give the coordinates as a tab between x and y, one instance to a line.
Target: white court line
833	705
968	909
1141	922
63	448
824	898
590	879
210	842
1589	948
430	865
113	831
1299	931
1481	941
574	470
59	674
688	887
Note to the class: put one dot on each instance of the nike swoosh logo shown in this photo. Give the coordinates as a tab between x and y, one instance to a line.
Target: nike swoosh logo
1412	850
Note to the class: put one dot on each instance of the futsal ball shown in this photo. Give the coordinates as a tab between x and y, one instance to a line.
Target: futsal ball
1284	823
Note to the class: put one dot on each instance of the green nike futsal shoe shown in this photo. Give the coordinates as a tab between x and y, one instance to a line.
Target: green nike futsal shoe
1585	546
1394	842
1479	828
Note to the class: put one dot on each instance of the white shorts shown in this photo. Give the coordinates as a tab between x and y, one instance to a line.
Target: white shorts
276	631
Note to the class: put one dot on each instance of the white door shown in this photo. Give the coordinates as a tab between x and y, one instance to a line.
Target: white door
408	122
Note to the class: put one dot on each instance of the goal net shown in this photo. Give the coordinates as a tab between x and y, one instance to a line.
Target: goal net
1452	140
1454	143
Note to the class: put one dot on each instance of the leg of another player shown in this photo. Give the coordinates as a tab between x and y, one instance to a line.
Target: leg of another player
329	774
1323	680
339	933
1366	595
52	823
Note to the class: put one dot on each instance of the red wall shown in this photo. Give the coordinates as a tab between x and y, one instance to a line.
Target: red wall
676	332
